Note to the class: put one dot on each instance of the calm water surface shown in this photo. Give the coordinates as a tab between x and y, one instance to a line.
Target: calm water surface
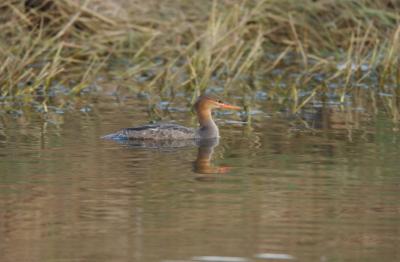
327	194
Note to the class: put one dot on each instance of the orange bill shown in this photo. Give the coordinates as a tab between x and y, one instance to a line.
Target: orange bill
227	106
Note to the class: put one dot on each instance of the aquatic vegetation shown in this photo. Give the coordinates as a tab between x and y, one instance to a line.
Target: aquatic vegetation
296	52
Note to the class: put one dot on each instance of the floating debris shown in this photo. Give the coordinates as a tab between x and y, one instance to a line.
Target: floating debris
385	94
59	111
235	122
15	113
364	67
175	261
90	89
353	66
252	112
304	93
224	113
164	105
343	66
85	109
362	85
58	89
220	259
274	256
215	89
261	95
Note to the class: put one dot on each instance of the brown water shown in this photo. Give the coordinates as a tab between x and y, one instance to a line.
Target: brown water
272	190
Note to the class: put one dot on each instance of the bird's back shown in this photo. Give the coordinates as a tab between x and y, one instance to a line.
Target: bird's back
159	131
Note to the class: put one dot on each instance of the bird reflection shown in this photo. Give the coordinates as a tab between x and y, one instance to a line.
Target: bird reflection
202	164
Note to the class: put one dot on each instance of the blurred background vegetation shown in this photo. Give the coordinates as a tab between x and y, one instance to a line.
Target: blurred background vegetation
296	51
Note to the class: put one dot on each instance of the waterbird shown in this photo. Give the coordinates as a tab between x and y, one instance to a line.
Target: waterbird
169	131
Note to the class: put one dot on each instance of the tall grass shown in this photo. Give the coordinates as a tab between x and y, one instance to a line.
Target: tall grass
162	47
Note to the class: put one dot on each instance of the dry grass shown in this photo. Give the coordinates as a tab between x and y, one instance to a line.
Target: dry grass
164	47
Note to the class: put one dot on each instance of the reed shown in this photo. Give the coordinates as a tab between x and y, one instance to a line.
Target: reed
165	47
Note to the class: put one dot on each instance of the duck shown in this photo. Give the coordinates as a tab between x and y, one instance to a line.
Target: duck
207	128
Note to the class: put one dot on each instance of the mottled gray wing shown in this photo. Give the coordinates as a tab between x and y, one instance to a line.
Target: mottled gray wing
159	131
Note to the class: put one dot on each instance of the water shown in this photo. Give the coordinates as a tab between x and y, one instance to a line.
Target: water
274	191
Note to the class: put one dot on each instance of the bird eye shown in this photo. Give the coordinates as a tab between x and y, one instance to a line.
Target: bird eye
220	101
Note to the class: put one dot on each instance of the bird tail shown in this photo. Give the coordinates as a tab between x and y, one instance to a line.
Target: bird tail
115	136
